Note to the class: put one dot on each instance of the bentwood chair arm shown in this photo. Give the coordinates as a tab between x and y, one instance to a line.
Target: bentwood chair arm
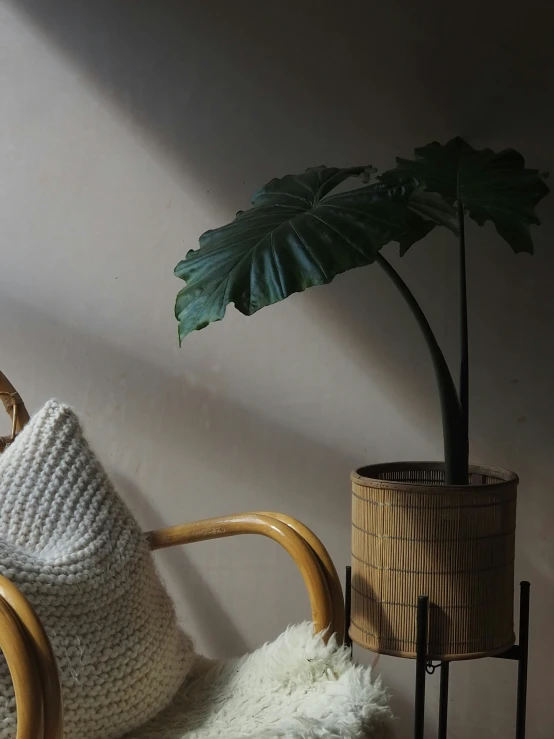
15	409
23	666
327	567
44	662
308	553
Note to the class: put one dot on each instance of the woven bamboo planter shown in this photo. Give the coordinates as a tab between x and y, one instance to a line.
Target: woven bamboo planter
412	535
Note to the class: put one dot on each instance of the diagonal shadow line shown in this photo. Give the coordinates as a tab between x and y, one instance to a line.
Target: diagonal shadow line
232	91
212	622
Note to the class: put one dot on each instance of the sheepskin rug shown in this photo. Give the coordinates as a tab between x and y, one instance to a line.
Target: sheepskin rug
296	687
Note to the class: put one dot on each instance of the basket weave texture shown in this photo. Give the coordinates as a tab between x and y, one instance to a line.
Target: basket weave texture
412	535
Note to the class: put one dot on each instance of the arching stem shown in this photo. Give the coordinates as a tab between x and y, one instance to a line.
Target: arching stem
464	347
455	441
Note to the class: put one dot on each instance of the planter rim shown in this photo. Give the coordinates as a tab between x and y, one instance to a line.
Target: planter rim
363	475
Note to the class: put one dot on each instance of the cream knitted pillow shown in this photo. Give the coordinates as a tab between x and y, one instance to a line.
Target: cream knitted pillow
72	547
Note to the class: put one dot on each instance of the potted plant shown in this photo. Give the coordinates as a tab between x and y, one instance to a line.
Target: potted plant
443	529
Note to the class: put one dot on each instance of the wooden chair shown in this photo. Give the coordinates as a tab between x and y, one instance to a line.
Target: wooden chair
26	646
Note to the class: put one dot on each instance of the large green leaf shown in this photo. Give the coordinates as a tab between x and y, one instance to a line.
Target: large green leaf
491	186
295	236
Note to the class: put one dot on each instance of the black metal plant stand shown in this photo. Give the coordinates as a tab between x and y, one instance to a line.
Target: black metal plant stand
519	653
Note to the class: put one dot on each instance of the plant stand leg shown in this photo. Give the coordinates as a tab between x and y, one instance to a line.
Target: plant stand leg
443	700
421	663
523	659
519	652
348	607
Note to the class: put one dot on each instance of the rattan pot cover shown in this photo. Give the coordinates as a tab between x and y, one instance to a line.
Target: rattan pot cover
412	535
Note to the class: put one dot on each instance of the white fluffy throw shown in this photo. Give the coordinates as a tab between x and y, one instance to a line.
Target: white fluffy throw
73	548
297	687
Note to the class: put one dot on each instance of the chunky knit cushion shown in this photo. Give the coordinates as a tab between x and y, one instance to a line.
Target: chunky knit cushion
72	547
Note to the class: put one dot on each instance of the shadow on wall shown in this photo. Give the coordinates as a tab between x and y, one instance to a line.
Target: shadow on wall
212	622
233	92
232	109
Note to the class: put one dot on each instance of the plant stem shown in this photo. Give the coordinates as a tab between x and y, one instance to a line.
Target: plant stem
464	348
455	449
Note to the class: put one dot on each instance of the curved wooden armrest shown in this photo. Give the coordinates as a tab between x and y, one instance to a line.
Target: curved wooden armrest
18	653
33	668
14	406
293	537
326	564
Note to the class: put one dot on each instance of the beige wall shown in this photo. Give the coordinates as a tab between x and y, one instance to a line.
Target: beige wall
127	129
